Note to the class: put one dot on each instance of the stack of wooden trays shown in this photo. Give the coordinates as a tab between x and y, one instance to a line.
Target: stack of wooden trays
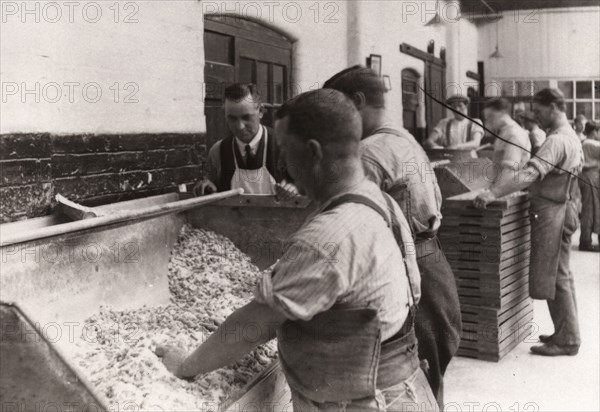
488	251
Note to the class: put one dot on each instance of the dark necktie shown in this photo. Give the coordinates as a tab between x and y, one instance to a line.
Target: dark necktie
249	157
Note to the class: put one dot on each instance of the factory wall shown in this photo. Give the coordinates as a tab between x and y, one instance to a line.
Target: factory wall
101	101
115	108
551	44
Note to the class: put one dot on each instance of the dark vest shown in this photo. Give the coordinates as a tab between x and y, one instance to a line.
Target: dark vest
228	164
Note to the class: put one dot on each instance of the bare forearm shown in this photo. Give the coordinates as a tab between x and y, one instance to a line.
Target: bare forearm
513	181
431	140
245	329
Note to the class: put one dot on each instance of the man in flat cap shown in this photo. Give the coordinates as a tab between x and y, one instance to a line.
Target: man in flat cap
536	135
456	132
554	195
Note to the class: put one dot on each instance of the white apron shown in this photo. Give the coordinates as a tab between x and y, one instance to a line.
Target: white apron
254	181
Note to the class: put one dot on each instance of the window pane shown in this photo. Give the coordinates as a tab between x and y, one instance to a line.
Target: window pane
278	83
584	90
597	88
262	81
597	110
218	47
523	88
247	71
570	111
508	89
566	88
540	85
584	109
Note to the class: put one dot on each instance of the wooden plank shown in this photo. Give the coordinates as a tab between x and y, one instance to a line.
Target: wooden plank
491	267
466	199
448	238
487	255
452	221
497	302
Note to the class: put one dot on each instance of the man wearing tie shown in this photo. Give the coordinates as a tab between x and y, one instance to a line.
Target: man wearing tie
247	159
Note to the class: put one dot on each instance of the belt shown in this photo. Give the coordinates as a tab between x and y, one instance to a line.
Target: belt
398	360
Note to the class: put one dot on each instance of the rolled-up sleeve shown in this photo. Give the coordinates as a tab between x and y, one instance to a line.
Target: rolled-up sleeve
303	283
552	152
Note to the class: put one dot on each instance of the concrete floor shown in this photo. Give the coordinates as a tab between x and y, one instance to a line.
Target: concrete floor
525	382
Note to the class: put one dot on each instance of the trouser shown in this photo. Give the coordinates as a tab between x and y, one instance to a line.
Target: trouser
590	206
563	308
399	388
438	320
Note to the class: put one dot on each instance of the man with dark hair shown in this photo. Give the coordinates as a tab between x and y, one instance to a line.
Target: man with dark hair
579	126
394	160
536	135
456	131
249	157
343	315
497	118
554	195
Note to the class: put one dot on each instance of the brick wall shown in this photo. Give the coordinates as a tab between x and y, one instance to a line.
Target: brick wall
92	169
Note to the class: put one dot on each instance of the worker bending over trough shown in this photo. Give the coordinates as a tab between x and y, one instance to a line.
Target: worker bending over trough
512	150
456	132
554	195
394	160
341	300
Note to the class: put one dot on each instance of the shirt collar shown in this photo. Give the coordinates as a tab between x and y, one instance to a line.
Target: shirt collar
253	143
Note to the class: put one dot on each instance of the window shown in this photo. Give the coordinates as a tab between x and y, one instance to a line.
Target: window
582	96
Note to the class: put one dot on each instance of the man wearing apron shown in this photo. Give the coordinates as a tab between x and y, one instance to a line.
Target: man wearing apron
341	299
394	160
456	132
554	195
249	159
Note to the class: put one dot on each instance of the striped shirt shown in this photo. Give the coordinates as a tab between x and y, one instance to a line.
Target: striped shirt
389	159
345	255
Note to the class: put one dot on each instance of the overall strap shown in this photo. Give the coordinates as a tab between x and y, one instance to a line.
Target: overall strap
469	129
393	223
227	164
448	127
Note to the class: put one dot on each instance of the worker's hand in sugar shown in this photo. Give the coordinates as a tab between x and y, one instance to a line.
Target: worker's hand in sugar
172	357
285	191
483	199
204	187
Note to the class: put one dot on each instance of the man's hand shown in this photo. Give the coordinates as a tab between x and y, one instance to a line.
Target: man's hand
483	199
204	187
172	357
285	191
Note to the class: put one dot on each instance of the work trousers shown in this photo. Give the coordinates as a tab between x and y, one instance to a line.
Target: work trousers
563	308
438	320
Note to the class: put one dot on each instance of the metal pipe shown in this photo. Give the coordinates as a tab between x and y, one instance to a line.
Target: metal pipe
149	212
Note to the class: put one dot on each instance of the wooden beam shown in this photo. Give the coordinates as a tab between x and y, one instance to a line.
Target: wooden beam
421	55
473	75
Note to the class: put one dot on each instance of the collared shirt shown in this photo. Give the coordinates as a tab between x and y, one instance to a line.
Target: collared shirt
591	153
344	255
253	143
213	166
388	158
458	131
562	148
508	155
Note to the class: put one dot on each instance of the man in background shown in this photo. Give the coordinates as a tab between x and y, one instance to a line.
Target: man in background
456	132
536	135
512	150
393	159
249	157
579	126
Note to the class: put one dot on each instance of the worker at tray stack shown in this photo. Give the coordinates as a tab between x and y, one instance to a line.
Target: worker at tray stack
536	135
249	158
512	150
394	160
456	132
341	300
554	195
590	188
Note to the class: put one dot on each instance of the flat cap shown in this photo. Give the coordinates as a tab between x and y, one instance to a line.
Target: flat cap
549	96
458	98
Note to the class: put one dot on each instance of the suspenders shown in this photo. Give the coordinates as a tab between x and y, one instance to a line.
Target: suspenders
449	126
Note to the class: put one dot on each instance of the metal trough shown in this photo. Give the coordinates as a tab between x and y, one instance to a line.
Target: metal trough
60	272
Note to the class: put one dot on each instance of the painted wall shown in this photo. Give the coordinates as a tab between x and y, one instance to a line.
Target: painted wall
99	68
543	44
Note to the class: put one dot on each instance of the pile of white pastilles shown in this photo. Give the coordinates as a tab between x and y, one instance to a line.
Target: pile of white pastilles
208	278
